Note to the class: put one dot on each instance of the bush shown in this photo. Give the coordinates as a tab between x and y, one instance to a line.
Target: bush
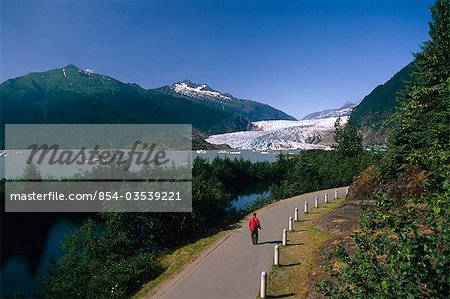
402	252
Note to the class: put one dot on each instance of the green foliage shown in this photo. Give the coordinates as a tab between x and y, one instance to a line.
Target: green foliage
98	264
31	172
315	170
235	174
348	140
403	252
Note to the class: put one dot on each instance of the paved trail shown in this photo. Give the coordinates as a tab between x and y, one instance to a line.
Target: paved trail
231	268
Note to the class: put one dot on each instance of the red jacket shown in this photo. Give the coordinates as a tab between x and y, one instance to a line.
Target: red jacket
253	224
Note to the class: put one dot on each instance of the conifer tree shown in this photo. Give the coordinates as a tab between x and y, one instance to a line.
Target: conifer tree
348	140
31	172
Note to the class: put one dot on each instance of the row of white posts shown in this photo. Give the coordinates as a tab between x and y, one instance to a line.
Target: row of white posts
276	252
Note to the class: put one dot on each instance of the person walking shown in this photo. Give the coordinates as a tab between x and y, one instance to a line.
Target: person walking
254	226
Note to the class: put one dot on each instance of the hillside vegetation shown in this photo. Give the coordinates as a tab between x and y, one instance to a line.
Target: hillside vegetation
372	115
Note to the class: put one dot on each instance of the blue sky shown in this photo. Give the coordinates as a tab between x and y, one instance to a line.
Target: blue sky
299	56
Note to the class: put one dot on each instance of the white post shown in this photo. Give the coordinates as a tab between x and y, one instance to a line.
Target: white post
306	207
296	214
316	202
263	284
336	193
326	197
276	255
291	222
346	190
284	237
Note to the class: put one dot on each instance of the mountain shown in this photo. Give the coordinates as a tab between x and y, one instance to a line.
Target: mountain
372	113
73	95
282	134
202	93
345	110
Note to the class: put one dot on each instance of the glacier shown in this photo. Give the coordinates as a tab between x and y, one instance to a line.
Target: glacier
281	135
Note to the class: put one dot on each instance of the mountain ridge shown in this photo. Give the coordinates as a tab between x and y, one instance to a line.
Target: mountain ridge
371	115
72	95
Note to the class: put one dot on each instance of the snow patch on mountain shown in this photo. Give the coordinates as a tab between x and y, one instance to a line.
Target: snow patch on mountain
280	134
194	90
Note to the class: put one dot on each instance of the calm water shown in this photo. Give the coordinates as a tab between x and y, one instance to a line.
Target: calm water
30	240
242	201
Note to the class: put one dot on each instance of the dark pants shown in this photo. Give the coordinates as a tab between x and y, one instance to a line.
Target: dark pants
254	236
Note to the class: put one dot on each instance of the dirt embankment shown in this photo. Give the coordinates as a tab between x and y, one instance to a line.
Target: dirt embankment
370	182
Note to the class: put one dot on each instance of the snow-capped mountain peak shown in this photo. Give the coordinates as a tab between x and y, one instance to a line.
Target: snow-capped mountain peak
195	90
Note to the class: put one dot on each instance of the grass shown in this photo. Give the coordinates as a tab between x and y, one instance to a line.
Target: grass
298	258
175	261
